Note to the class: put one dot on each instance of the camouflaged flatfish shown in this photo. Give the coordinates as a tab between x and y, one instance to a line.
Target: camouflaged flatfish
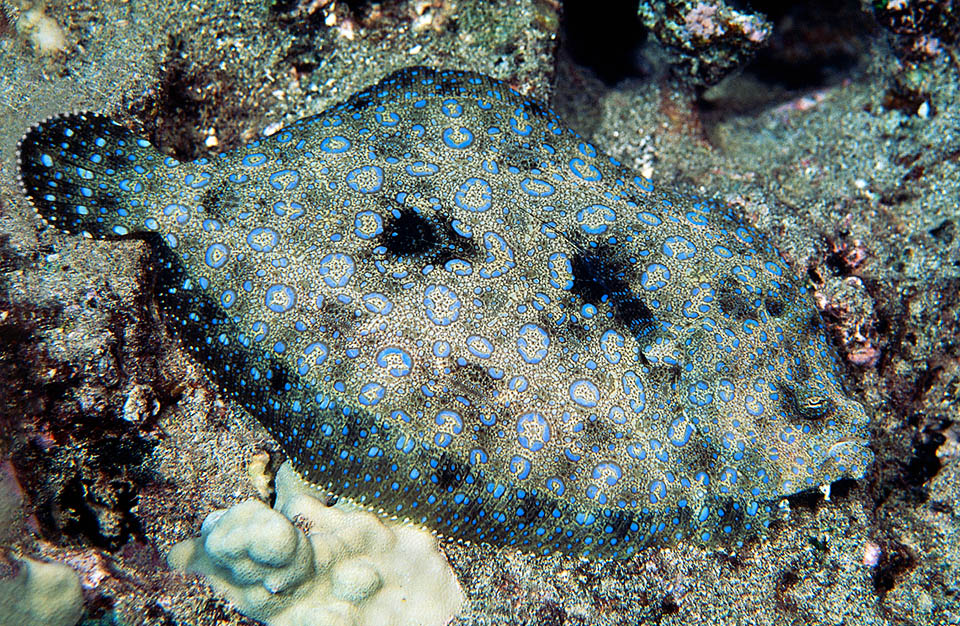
452	309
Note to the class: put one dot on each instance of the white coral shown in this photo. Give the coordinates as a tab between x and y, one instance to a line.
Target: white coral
350	567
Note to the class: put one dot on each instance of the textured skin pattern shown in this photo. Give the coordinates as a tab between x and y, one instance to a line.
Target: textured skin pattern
448	307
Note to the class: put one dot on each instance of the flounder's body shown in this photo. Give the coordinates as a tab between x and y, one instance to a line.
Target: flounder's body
447	306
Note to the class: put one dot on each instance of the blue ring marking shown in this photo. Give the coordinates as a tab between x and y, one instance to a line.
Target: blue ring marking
451	108
388	120
458	267
254	160
679	439
699	393
773	268
280	298
645	184
320	348
617	415
533	431
696	219
753	406
216	255
520	467
284	136
555	485
367	224
533	343
397	361
450	417
479	347
594	213
722	251
560	267
263	239
442	304
609	472
518	384
336	269
370	394
260	330
584	393
587	149
179	212
649	281
441	348
475	194
649	218
451	142
515	127
377	303
679	248
478	457
610	341
492	242
658	490
725	390
365	179
744	234
228	298
284	180
584	170
536	187
420	168
335	144
632	386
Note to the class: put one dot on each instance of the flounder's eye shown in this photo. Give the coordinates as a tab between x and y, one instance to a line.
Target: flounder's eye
815	406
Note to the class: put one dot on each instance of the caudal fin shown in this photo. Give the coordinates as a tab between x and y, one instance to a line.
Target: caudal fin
87	174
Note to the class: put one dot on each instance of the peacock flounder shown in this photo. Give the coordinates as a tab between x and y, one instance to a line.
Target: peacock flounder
450	308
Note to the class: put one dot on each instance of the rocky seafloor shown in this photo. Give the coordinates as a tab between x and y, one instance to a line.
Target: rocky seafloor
832	126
